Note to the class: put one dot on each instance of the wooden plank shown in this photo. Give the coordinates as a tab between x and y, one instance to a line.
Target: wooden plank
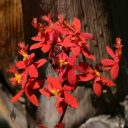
11	31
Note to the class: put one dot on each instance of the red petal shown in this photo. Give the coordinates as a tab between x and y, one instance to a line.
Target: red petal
82	67
71	60
97	88
63	56
59	28
67	42
88	55
86	77
38	37
40	62
71	76
46	47
38	84
110	52
61	76
71	100
79	68
76	50
68	88
107	81
36	45
17	96
54	83
31	57
60	105
20	65
86	36
45	92
24	78
115	71
77	24
32	71
31	96
107	62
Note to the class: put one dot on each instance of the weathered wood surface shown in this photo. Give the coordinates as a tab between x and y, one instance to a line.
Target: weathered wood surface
104	121
11	30
5	109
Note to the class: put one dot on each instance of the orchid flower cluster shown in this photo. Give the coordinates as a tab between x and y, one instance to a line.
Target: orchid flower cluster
63	43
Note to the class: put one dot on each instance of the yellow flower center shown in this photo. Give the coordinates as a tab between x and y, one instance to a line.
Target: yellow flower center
55	92
97	73
62	62
18	78
25	55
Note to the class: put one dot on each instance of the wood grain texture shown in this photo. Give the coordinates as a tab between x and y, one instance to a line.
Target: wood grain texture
11	30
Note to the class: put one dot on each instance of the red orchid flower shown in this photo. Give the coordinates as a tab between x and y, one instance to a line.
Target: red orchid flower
42	42
46	37
17	79
29	67
30	71
95	75
42	39
23	50
113	64
29	89
54	88
66	68
45	41
62	26
77	41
